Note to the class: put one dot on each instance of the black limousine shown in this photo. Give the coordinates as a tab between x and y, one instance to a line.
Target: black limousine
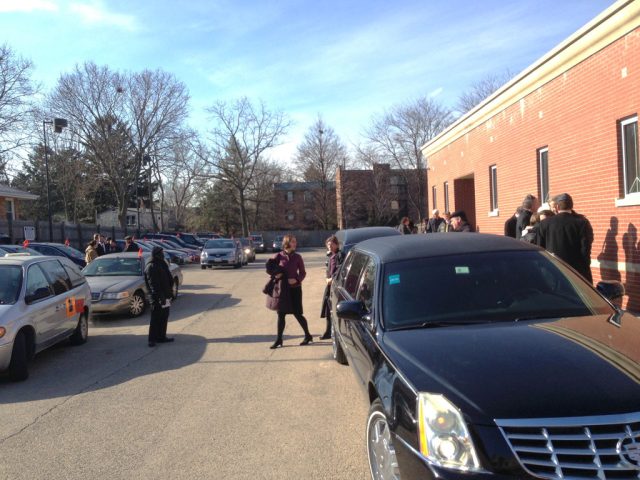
485	357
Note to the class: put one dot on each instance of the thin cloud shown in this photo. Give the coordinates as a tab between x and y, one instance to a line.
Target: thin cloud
95	13
7	6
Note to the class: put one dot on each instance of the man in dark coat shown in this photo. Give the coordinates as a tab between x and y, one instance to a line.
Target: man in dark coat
159	283
526	210
434	222
568	235
459	222
130	245
511	223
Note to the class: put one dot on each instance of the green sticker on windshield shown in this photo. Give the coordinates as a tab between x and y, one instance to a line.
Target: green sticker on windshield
462	270
394	279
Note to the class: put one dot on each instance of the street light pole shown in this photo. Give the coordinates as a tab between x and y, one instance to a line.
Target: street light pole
58	125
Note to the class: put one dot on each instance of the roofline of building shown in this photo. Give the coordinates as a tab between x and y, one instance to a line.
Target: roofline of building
616	21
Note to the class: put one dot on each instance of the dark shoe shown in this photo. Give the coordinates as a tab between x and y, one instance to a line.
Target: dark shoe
152	344
307	340
166	340
277	344
326	336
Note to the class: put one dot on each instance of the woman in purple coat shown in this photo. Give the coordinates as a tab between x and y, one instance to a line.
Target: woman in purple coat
291	296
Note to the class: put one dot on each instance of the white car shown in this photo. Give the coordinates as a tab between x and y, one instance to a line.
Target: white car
43	300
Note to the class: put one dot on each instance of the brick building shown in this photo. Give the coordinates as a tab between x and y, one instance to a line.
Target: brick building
304	206
568	123
379	196
10	199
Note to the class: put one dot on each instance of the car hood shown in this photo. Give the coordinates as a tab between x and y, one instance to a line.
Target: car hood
213	251
576	366
113	284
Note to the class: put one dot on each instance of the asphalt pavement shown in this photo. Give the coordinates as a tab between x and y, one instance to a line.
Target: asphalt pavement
215	404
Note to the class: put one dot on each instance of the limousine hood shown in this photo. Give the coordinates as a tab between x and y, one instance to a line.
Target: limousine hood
567	367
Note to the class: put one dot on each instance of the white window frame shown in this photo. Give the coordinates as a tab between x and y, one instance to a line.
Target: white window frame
434	197
289	196
493	191
446	197
543	173
632	198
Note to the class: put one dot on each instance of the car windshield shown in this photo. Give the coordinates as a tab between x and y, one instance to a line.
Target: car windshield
113	267
10	283
245	242
484	287
72	252
220	244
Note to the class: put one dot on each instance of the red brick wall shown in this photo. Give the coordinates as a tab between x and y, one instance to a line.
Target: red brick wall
576	116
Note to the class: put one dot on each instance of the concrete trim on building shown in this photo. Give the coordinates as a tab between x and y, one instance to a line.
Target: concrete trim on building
612	24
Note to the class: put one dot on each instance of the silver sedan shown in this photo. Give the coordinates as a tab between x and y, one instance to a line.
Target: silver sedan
117	283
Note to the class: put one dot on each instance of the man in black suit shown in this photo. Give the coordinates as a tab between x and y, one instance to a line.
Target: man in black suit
529	204
568	235
99	245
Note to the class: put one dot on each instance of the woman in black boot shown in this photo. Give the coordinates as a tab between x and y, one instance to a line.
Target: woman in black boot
292	265
334	259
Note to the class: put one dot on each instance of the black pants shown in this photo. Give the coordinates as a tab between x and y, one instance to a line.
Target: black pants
158	324
301	320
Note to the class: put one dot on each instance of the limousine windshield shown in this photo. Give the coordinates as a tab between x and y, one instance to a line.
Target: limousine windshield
484	287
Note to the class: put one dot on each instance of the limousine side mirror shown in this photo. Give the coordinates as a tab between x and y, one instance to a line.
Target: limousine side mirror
351	310
612	290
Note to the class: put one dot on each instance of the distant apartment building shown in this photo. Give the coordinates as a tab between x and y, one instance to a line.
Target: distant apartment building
568	123
109	218
379	196
10	199
304	206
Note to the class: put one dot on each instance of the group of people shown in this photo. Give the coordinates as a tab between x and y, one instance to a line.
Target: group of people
557	227
99	246
449	222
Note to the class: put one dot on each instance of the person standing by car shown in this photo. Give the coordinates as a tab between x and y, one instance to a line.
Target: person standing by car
334	259
526	210
459	222
90	253
130	245
404	227
159	283
433	225
291	302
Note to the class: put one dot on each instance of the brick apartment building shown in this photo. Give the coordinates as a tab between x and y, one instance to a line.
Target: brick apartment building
568	123
304	206
379	196
10	199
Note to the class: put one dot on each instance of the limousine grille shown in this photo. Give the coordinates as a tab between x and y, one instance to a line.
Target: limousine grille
599	448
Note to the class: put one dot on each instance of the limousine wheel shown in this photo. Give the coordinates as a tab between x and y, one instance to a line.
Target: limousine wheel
338	353
382	454
18	366
81	333
137	305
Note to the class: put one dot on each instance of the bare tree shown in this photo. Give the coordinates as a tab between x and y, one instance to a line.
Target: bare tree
241	136
318	157
118	118
16	96
398	135
481	89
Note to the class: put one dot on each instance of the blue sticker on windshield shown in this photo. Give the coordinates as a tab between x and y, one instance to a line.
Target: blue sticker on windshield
394	279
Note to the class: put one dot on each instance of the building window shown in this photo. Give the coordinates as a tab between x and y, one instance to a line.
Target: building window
308	197
289	197
543	174
493	187
434	196
290	216
630	164
10	209
446	197
131	220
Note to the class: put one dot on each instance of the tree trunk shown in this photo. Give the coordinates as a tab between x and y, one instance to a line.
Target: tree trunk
243	214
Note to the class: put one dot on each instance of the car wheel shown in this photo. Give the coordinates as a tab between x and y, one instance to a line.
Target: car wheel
18	370
81	333
238	263
203	267
382	454
338	353
175	288
137	305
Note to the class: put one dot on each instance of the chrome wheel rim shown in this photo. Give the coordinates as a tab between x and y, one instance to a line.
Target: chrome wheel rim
382	454
137	305
84	327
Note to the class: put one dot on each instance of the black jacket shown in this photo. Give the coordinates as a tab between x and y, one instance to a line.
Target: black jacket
158	279
568	236
133	247
510	226
522	222
433	224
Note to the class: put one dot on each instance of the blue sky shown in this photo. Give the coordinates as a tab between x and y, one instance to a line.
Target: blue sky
345	60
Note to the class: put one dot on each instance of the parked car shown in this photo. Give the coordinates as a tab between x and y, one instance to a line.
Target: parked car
249	249
172	256
59	250
350	237
43	300
117	283
175	243
221	252
13	249
276	246
258	243
208	235
5	239
189	239
485	357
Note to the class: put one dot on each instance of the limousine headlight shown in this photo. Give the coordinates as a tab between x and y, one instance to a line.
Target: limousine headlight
444	437
114	295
